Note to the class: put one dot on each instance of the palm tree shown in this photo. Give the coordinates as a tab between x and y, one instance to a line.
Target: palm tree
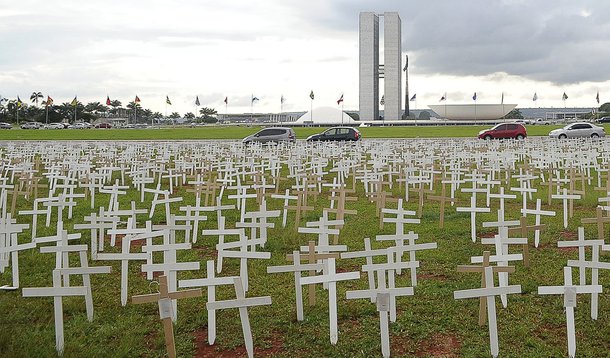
35	96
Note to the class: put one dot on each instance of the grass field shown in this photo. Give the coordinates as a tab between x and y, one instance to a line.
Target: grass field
237	132
430	323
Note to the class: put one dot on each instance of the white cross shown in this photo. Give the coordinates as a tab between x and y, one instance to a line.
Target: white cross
287	197
473	210
489	292
57	292
582	264
242	303
211	281
383	296
569	293
331	278
9	245
538	212
225	250
565	197
297	268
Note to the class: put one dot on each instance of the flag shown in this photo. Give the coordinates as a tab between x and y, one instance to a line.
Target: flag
597	97
564	97
414	98
226	101
340	100
282	99
474	97
535	98
253	99
167	100
108	103
197	101
137	100
19	103
74	102
502	101
443	98
49	101
382	102
311	95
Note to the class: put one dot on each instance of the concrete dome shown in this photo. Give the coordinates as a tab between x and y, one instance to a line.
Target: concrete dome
324	116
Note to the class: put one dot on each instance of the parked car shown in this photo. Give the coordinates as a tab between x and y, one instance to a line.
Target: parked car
503	131
271	134
578	130
79	125
4	125
524	121
541	121
604	120
103	125
336	134
30	125
54	126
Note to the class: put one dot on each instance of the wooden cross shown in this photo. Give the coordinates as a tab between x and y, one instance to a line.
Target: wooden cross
421	192
481	270
599	220
299	208
342	198
569	292
442	199
489	293
163	298
523	229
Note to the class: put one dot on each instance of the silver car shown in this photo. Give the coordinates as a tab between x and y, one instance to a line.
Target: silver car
271	134
578	130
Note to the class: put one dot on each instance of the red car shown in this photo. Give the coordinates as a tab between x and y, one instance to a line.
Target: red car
103	125
504	130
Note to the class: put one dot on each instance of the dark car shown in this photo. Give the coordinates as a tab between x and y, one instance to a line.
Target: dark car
336	134
103	125
4	125
604	120
272	135
503	131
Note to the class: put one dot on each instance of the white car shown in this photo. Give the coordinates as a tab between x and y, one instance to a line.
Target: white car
578	130
53	126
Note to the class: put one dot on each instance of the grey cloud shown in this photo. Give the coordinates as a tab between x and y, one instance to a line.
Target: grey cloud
544	40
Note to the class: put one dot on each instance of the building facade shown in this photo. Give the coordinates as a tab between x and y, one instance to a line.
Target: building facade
371	71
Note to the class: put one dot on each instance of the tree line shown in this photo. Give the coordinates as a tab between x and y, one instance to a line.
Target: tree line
38	110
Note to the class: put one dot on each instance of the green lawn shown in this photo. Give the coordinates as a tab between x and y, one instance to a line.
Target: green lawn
429	324
238	132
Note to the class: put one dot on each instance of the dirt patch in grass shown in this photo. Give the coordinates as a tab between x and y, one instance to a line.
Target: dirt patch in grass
568	235
150	339
439	345
273	346
400	346
488	235
432	276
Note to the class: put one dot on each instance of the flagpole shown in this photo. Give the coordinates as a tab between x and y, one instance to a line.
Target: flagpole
251	107
311	110
342	112
47	114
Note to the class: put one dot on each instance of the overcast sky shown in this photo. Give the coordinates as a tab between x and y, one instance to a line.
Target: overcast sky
239	48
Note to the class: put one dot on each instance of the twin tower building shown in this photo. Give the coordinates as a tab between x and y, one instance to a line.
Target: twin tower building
371	71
